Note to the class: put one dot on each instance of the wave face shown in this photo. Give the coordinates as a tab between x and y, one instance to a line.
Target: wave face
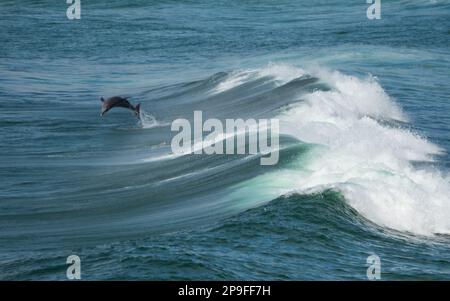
364	163
346	148
369	157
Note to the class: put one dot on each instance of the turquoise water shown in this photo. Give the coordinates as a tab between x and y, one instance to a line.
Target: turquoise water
364	118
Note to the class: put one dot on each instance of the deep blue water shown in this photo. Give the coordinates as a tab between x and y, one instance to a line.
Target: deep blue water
364	165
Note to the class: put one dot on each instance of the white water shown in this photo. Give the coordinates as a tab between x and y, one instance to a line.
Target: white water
280	73
148	121
368	162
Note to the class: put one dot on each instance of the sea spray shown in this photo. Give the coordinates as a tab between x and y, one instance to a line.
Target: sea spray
370	162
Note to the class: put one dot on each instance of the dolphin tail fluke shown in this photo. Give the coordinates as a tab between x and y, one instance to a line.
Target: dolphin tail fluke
104	108
138	110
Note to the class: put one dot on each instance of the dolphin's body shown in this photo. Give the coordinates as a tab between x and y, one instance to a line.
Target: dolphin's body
117	101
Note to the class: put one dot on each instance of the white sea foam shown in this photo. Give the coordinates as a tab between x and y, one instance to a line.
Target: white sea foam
148	121
233	80
369	162
279	73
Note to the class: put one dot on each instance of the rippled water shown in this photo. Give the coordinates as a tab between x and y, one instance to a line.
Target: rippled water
364	118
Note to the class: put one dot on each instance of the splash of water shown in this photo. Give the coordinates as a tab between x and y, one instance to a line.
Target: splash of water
369	162
147	120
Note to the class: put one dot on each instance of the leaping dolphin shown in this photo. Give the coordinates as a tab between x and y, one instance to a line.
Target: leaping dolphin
117	101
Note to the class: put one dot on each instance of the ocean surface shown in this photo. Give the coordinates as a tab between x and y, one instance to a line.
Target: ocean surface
364	140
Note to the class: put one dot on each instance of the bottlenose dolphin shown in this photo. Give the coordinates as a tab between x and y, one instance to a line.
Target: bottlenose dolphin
117	101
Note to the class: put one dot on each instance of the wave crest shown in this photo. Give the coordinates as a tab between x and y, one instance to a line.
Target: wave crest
370	161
